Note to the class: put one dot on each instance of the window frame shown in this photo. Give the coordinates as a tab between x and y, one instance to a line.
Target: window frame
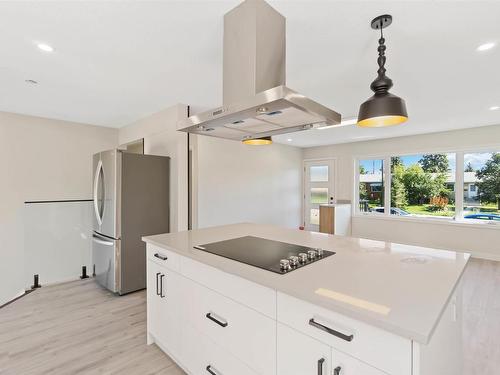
385	180
458	219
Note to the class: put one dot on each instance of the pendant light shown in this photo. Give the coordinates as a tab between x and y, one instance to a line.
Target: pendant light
383	108
258	141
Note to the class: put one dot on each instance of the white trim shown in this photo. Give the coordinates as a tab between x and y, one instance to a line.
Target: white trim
482	149
478	224
459	185
386	167
355	200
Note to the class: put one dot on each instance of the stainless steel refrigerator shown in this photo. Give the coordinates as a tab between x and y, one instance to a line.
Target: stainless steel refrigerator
131	200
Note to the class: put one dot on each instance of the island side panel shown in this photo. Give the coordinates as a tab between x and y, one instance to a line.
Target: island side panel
444	353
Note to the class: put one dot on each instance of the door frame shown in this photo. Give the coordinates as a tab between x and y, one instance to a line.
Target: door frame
333	161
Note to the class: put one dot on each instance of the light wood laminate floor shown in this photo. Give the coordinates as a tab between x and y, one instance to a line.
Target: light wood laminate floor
79	328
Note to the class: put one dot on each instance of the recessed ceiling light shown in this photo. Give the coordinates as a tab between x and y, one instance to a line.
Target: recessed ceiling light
31	81
349	121
486	46
494	108
289	139
45	47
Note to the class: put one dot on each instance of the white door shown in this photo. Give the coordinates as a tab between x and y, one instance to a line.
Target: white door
318	189
299	354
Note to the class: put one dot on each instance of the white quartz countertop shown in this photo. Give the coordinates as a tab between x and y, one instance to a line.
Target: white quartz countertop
400	288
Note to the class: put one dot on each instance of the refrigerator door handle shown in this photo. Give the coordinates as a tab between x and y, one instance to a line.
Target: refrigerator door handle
101	241
96	186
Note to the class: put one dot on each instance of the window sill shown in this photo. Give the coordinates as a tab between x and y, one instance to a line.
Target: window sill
467	223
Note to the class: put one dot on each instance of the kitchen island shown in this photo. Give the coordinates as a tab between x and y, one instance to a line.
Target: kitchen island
373	308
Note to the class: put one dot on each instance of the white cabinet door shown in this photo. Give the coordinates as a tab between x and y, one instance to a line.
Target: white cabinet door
164	293
153	299
299	354
202	356
342	364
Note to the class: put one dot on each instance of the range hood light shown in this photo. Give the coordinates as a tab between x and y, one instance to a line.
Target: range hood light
258	141
203	128
262	109
273	113
383	108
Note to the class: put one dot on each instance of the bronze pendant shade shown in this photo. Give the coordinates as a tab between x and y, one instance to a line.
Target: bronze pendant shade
383	108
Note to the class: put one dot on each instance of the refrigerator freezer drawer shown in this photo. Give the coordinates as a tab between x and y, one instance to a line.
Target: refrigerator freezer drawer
105	254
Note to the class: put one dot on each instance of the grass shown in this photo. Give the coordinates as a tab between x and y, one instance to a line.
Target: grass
450	211
424	210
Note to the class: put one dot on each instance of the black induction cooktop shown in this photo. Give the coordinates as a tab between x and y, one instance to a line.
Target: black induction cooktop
275	256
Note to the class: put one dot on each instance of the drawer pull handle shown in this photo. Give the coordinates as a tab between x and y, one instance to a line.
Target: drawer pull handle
320	366
217	321
337	370
212	370
157	288
162	257
338	334
161	286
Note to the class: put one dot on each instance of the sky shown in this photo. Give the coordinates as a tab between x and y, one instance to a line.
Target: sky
477	160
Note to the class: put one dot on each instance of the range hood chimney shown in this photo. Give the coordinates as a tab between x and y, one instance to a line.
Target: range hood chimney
256	102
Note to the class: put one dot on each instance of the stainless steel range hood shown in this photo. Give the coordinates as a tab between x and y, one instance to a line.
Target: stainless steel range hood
256	102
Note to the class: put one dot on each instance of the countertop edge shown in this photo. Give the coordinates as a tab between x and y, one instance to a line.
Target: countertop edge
421	338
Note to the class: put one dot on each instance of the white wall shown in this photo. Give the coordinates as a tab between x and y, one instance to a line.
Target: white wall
481	241
231	182
240	183
162	138
40	159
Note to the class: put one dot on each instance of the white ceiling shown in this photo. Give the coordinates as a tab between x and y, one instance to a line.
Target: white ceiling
115	62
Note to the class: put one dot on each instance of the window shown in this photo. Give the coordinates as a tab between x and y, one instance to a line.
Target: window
319	195
482	186
423	185
318	173
371	186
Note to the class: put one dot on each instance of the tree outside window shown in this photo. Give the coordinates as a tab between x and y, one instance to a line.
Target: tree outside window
422	185
488	184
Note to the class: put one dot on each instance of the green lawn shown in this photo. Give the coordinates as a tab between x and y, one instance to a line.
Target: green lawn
450	211
424	210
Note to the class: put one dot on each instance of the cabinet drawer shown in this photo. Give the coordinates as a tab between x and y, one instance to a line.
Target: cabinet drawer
374	346
342	364
299	354
202	355
243	291
241	331
163	257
